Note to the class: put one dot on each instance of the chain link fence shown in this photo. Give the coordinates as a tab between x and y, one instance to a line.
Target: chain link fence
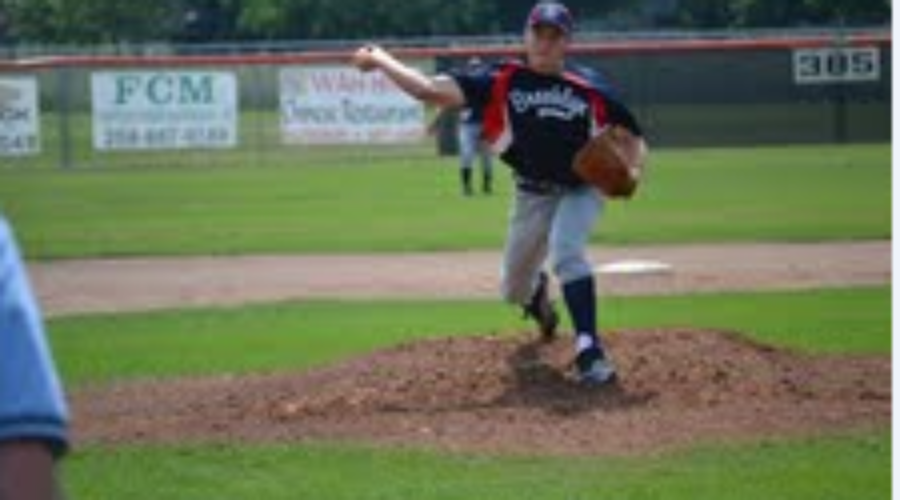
722	90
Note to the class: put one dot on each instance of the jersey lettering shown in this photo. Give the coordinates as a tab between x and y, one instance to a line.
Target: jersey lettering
555	102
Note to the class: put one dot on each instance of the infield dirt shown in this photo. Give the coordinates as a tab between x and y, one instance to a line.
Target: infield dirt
511	393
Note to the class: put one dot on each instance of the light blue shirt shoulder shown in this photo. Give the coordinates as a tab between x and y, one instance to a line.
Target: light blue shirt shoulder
31	398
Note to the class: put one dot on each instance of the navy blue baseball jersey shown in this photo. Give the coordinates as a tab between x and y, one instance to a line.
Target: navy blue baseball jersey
538	122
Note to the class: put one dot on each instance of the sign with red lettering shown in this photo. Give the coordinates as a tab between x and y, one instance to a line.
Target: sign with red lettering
337	105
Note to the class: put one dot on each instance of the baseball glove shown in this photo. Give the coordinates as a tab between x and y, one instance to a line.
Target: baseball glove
613	161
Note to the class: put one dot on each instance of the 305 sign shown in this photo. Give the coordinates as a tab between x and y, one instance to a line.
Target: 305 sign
837	65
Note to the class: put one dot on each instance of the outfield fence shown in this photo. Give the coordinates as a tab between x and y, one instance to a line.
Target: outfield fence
303	105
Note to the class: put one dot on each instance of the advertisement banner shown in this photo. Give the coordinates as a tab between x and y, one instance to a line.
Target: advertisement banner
147	110
337	105
19	116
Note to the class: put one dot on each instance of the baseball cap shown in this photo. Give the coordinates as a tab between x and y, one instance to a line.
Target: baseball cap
553	14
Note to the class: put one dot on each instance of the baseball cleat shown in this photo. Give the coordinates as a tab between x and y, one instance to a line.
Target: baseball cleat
593	368
540	308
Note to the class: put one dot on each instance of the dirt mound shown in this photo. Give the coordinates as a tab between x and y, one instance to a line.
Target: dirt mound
512	394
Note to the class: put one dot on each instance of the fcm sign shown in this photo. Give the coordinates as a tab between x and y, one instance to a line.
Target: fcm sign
162	89
164	110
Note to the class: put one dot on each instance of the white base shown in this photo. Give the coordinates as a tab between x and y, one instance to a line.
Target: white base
633	267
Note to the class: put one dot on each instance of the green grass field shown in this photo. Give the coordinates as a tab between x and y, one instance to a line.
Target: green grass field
100	349
834	468
785	194
388	201
105	348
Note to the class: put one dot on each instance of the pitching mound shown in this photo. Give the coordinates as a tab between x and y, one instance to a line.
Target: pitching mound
512	394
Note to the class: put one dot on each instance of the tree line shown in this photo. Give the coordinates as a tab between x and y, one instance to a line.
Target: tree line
203	21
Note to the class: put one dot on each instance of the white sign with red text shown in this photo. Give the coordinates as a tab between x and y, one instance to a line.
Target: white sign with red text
335	105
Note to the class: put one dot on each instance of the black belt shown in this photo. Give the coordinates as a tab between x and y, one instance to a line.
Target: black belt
541	187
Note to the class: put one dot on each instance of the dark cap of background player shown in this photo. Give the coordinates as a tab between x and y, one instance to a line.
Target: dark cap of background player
551	14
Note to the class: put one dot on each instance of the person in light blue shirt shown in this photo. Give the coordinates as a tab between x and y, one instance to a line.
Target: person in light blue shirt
33	413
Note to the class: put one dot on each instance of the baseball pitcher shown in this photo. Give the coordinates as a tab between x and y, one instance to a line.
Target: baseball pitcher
571	145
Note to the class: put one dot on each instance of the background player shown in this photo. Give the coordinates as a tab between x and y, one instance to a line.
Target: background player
470	136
